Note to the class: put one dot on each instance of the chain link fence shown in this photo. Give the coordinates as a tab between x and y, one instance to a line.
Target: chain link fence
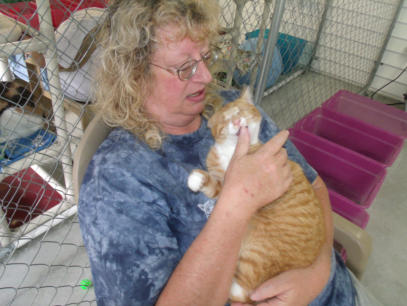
318	47
339	44
44	97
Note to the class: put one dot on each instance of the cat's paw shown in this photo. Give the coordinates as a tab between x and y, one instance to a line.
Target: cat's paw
196	180
238	293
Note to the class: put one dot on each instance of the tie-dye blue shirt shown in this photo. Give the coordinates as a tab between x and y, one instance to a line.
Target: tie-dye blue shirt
138	217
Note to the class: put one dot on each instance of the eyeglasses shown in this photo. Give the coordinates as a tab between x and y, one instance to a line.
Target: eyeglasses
188	69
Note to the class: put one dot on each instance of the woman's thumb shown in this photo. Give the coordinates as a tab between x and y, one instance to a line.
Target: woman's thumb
243	142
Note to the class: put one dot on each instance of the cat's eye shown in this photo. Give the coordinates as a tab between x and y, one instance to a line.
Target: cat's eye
188	69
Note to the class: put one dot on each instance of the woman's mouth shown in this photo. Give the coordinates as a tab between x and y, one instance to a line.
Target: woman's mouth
197	96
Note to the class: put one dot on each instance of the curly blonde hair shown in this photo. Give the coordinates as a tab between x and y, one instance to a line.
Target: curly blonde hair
128	39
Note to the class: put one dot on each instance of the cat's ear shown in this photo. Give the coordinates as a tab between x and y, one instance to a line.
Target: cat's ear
247	95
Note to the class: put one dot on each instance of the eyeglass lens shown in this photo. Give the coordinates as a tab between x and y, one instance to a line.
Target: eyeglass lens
187	70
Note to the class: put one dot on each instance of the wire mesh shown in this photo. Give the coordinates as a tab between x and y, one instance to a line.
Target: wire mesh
322	46
343	42
43	98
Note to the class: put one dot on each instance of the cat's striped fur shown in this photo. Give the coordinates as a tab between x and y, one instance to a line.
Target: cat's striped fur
287	233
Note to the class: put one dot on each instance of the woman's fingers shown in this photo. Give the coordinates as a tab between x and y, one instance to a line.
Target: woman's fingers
275	144
243	143
260	177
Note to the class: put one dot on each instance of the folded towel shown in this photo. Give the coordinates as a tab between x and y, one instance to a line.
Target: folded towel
17	149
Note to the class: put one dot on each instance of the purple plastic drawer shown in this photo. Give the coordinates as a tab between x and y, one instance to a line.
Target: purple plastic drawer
372	112
350	174
349	210
353	134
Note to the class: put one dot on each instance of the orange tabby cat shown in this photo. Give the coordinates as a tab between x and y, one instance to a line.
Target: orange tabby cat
285	234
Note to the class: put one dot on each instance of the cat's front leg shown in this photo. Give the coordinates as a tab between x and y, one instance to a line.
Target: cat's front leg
197	180
200	180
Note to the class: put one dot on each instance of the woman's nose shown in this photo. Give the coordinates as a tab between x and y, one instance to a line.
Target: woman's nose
202	74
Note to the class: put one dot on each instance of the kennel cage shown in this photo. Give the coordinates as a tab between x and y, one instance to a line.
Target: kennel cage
294	54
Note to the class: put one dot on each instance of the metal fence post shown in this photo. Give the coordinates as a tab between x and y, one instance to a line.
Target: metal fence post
268	54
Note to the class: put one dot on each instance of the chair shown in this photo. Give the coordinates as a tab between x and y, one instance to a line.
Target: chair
355	240
96	131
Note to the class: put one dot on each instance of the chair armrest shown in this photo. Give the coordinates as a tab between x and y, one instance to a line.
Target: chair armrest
356	241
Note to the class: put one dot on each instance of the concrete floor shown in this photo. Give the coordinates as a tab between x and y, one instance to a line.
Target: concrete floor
386	272
48	270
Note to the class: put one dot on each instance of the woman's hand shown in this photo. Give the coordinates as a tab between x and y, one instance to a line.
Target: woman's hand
301	286
261	177
293	288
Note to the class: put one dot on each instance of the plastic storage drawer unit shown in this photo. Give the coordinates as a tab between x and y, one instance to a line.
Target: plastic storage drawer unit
348	209
350	174
369	111
353	134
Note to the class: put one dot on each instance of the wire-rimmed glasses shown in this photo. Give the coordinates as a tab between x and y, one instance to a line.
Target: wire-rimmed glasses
188	69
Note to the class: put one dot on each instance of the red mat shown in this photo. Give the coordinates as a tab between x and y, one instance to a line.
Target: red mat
25	12
26	195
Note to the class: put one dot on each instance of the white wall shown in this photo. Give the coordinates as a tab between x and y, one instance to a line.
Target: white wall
352	37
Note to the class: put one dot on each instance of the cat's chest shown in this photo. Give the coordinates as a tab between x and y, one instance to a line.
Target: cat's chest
224	152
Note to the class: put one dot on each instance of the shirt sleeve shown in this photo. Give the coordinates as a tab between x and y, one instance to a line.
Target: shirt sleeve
124	224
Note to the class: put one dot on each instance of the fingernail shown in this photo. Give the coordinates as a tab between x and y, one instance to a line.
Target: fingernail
254	296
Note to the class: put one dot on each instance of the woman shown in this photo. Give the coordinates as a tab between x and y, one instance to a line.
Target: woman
149	239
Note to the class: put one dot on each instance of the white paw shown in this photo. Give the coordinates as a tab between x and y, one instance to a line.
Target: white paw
237	292
195	181
243	121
